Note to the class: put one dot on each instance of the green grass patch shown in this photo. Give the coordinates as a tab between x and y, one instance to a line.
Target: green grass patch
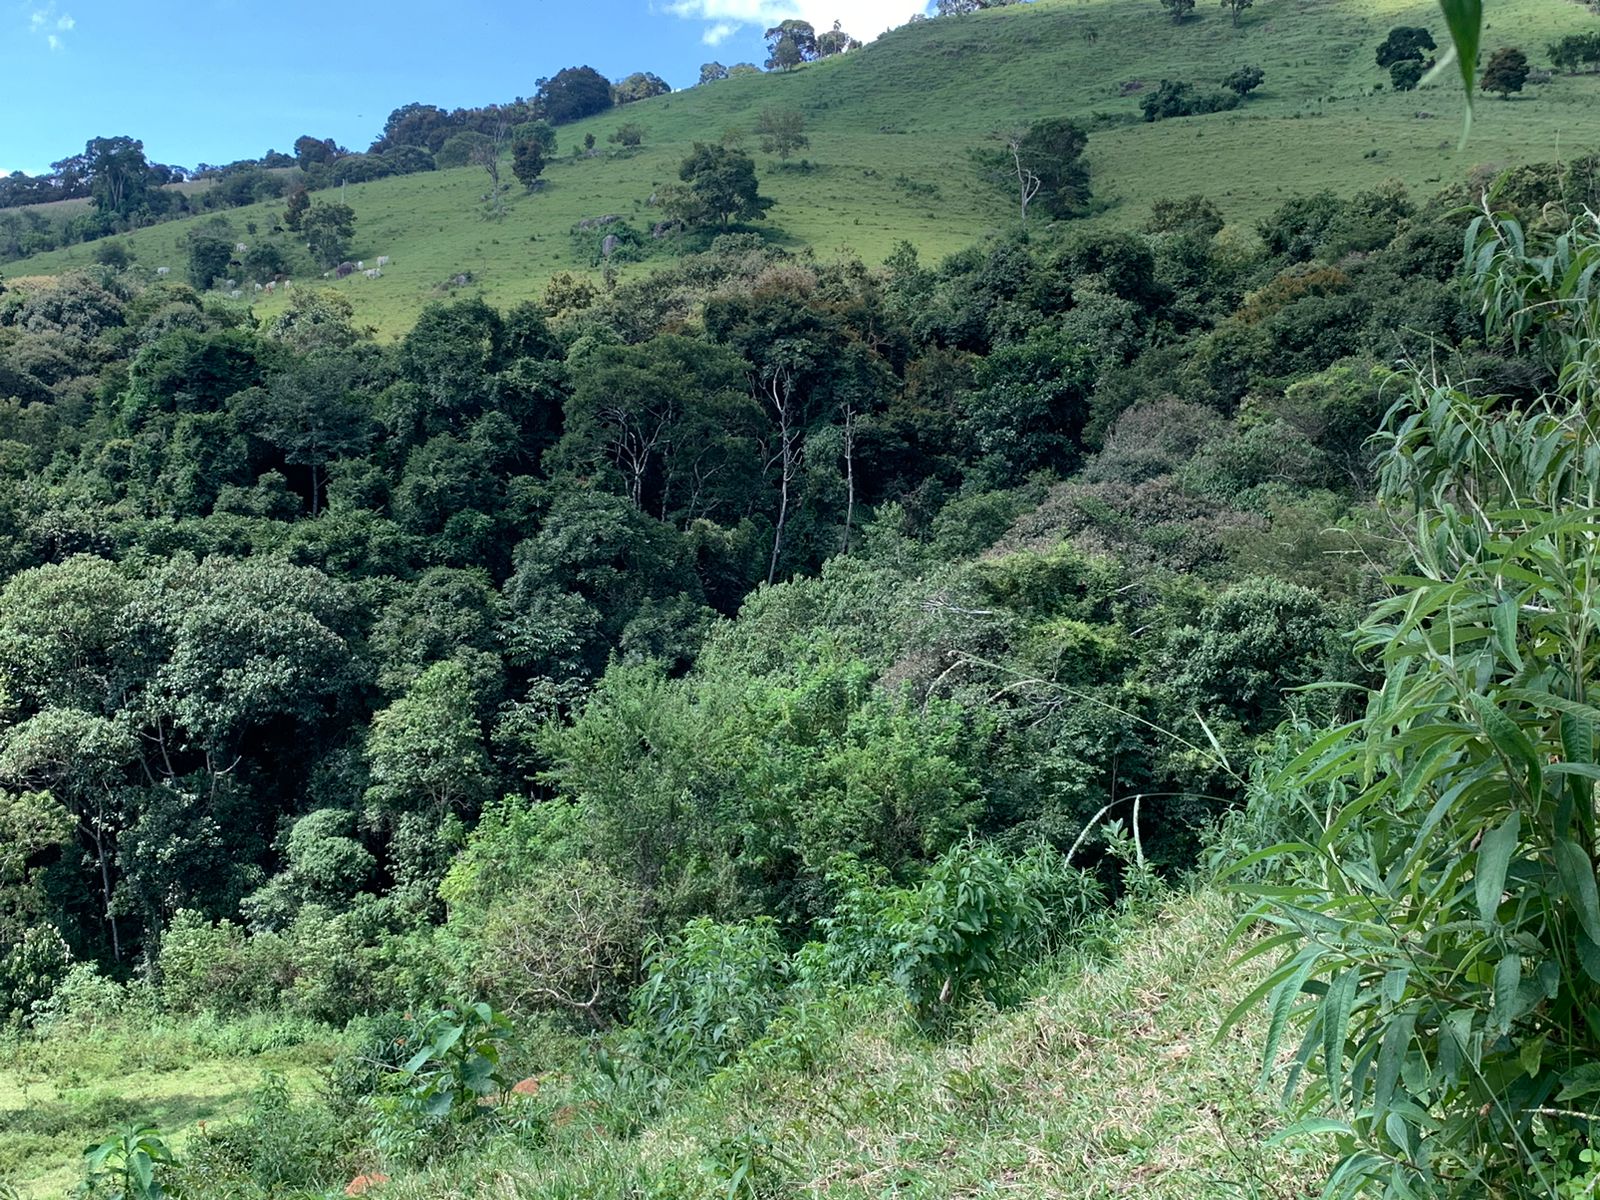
63	1091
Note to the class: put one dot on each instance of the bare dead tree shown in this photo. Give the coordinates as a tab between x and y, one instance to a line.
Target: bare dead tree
780	395
1028	183
487	155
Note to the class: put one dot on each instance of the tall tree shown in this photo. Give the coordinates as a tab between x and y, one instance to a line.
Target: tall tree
790	43
572	94
527	162
1236	7
722	185
328	227
119	175
313	413
1506	72
782	132
835	41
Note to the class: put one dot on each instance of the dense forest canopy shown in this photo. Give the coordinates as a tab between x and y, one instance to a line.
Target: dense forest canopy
581	725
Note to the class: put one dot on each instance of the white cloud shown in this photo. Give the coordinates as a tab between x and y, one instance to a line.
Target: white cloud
866	19
50	24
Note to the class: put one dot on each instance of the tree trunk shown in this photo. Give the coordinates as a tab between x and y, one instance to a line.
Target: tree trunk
783	406
849	475
105	889
783	514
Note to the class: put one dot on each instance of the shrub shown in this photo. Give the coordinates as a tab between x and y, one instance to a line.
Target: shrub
1175	99
569	940
1439	928
708	992
964	932
1406	74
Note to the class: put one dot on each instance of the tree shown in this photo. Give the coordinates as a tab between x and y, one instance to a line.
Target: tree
790	43
782	132
487	154
722	185
1574	51
1244	80
527	162
459	148
1235	7
209	256
629	134
835	41
1179	9
328	227
669	418
572	94
1045	162
315	152
118	173
712	72
295	210
426	749
1506	72
311	412
425	125
1405	42
641	85
1406	74
81	760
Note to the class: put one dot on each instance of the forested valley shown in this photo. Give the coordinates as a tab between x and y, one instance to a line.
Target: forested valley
1102	712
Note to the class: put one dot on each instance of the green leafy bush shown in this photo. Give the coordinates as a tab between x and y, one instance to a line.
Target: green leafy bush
708	992
1438	927
965	932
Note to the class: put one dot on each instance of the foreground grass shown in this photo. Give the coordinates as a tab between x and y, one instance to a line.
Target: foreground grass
893	128
60	1093
1112	1082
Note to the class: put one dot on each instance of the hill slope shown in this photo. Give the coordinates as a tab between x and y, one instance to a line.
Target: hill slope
892	127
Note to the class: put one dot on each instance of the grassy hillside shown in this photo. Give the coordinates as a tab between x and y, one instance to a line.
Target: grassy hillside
1110	1082
892	127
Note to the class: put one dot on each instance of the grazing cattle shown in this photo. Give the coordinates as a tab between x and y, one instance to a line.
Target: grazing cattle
272	287
235	294
383	260
364	1183
163	271
344	270
258	287
240	248
373	273
361	266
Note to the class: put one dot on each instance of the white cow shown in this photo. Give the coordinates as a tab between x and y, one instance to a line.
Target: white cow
383	260
240	248
163	271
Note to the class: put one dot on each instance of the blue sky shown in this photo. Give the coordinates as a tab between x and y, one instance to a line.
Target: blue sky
216	80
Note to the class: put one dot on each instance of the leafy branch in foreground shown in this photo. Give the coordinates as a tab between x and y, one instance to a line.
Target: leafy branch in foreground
1439	927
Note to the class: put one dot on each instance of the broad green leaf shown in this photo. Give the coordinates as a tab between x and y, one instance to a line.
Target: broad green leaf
1509	740
1336	1007
1576	873
1494	857
1507	980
